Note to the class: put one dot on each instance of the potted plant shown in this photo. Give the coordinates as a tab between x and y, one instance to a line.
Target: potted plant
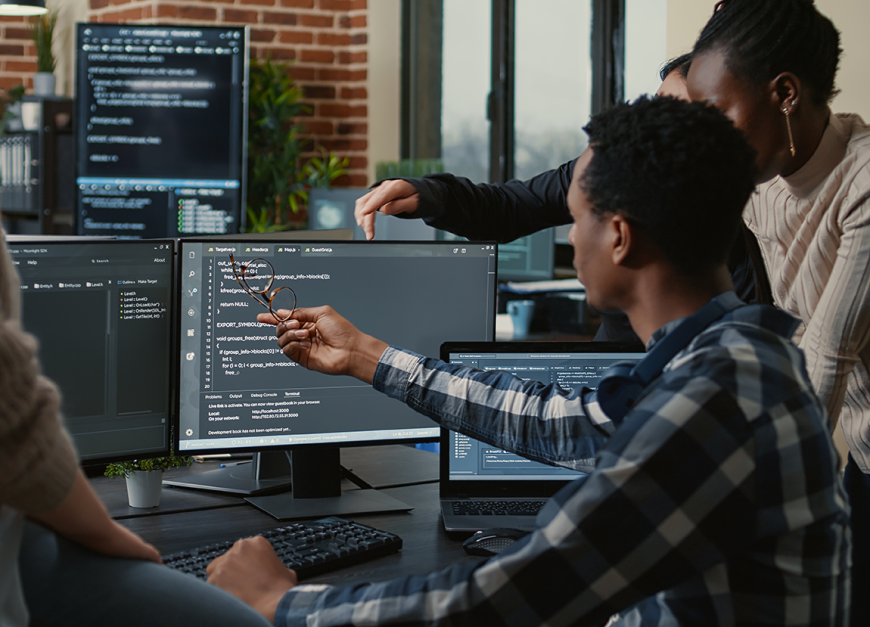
145	477
278	181
42	33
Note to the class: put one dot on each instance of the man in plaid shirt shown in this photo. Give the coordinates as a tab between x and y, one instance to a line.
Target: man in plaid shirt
715	501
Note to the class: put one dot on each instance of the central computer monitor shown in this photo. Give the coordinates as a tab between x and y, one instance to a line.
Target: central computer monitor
239	392
102	311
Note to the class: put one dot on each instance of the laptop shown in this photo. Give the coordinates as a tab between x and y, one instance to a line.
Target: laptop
483	486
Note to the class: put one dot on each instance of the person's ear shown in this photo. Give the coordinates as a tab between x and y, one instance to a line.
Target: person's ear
785	92
622	239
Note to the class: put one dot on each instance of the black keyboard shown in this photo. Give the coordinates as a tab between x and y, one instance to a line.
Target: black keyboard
510	507
309	548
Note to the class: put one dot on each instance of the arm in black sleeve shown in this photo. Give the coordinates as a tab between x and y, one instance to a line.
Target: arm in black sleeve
747	270
500	212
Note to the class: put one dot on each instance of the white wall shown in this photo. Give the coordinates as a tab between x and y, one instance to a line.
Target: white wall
686	18
69	12
851	17
645	45
684	22
384	84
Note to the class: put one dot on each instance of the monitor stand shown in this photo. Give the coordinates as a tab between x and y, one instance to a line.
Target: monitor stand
317	491
267	473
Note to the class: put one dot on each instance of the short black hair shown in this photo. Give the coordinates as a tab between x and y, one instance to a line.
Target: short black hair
681	63
679	170
763	38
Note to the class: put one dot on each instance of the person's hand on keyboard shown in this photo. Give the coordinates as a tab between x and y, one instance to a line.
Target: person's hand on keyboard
251	571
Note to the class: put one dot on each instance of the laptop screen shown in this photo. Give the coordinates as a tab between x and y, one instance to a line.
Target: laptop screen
570	365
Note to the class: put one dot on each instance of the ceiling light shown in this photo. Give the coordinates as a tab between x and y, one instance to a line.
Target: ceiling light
22	7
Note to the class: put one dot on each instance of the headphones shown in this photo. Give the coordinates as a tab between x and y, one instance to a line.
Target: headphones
624	382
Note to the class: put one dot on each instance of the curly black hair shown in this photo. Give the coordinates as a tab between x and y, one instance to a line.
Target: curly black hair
763	38
679	170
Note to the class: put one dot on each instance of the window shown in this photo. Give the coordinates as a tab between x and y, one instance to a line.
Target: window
467	60
502	89
552	89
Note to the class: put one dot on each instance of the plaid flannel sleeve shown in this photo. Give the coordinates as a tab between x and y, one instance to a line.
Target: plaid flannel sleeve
630	529
692	505
715	502
497	408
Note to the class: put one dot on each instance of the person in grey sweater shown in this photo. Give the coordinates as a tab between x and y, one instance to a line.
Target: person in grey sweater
59	548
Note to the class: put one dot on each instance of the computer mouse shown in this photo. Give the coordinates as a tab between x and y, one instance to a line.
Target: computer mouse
489	542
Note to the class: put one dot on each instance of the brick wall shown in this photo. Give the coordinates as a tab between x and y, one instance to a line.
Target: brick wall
325	39
17	53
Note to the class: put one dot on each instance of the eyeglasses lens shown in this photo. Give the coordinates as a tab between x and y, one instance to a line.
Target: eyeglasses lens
258	276
283	302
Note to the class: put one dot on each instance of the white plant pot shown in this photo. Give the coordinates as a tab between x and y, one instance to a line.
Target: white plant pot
44	84
143	488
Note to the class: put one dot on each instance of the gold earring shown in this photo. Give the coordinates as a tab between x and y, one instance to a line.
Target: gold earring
788	126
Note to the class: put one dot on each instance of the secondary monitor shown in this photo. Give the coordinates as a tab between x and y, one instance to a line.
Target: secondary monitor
529	258
160	129
239	392
102	312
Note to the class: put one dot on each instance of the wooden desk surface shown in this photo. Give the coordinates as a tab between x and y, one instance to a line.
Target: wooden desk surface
189	518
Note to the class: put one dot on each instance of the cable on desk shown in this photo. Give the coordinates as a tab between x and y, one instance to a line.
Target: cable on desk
348	474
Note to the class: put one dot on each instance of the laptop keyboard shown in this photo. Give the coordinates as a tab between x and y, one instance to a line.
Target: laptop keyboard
511	507
309	548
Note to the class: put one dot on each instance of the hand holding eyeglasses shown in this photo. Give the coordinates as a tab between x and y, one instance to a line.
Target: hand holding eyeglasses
320	339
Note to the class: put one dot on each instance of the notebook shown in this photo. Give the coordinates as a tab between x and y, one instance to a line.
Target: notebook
483	486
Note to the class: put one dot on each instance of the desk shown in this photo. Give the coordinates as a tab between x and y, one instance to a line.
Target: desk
188	518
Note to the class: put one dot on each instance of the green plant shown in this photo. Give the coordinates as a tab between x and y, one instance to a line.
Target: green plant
321	171
274	146
278	182
42	34
9	98
124	469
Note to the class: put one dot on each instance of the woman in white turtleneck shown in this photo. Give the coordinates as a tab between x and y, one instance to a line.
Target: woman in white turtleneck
770	66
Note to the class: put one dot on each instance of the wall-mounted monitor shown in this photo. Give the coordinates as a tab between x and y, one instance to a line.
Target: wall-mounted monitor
160	126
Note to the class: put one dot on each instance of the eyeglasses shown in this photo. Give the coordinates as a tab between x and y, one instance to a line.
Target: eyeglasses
256	278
